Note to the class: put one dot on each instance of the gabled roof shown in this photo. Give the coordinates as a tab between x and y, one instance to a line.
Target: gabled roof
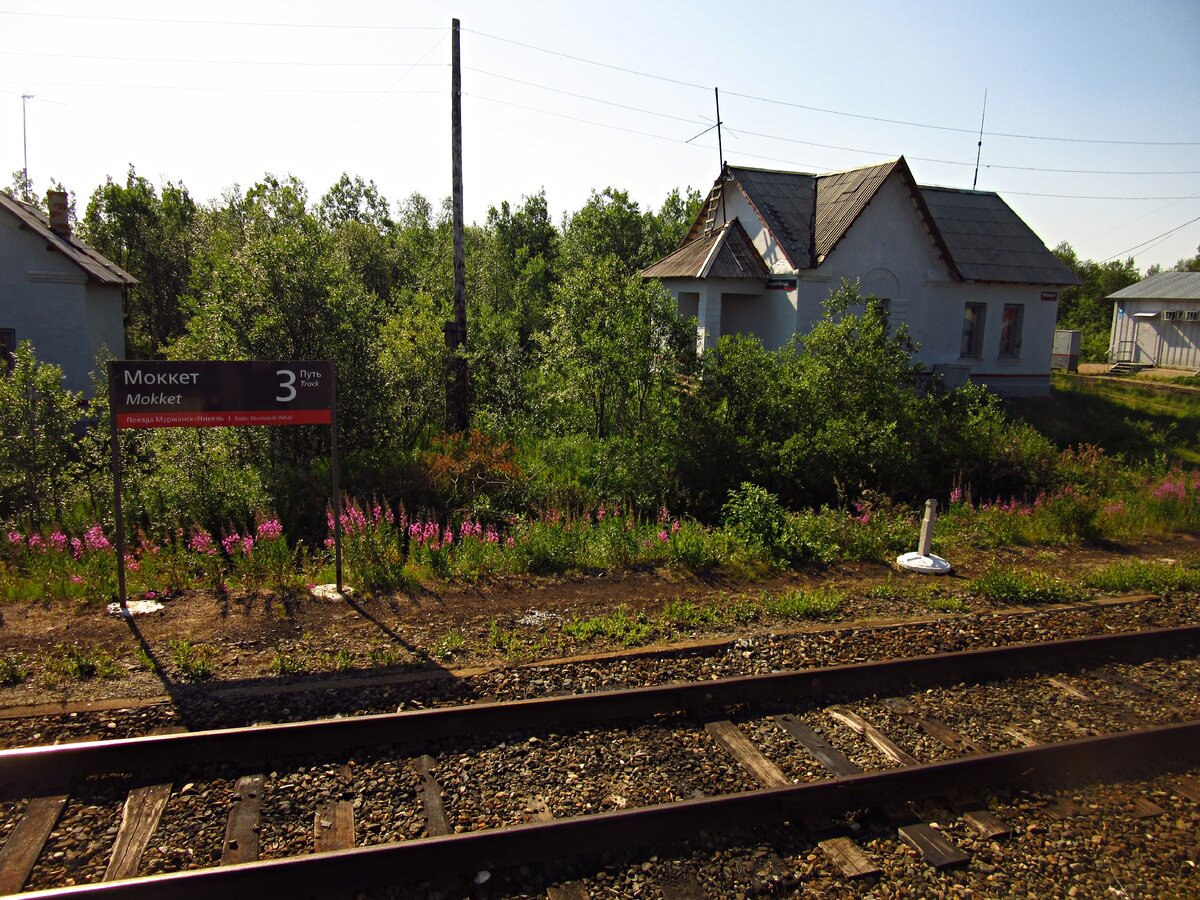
725	253
976	233
990	242
1163	286
95	266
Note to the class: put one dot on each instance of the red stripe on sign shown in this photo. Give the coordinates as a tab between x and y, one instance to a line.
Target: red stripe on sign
210	419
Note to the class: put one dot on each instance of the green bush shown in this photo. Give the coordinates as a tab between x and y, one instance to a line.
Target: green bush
1141	575
822	604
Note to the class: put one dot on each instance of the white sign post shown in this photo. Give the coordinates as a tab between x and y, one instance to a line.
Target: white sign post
923	560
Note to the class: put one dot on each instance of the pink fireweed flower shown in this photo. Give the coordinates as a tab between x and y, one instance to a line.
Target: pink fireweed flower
76	579
14	537
94	539
510	542
76	547
491	536
269	530
330	543
448	536
35	540
58	541
247	544
663	515
202	542
600	514
132	564
956	495
150	595
675	526
663	535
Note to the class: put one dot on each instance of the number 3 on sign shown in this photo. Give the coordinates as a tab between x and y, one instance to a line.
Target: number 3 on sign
287	382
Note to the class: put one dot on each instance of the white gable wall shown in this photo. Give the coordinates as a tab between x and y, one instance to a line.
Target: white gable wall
48	300
891	254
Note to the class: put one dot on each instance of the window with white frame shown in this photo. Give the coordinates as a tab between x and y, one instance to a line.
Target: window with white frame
974	315
1011	325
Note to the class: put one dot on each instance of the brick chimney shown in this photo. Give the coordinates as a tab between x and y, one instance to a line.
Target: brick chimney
60	220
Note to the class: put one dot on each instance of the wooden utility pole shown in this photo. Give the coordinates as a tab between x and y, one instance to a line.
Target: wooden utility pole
458	414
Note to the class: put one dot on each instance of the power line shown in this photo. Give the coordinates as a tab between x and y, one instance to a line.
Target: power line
834	112
331	26
1152	240
545	87
216	62
216	90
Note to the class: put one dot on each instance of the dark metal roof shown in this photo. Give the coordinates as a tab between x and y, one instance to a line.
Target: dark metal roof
96	266
726	253
1163	286
977	234
785	202
990	242
841	196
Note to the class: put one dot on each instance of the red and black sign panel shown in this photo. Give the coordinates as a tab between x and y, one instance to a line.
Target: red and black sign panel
158	394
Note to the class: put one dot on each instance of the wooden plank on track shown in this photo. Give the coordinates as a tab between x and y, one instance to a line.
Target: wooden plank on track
572	890
26	840
825	753
1145	809
241	831
436	823
935	729
682	886
849	859
1072	690
748	756
1186	787
932	845
139	820
1021	737
986	825
874	736
333	826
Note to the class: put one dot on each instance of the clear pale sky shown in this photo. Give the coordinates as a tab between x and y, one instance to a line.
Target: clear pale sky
218	93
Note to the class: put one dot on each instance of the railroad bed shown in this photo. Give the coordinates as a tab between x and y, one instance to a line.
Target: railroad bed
848	772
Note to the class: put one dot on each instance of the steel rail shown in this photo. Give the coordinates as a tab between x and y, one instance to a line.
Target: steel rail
417	729
1122	755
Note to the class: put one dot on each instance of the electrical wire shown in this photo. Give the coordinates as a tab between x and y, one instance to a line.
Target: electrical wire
340	26
215	62
1152	240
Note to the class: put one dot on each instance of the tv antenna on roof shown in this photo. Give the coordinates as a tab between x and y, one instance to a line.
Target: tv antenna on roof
979	146
25	98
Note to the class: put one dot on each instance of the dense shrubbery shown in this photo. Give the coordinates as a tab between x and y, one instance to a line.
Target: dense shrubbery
592	412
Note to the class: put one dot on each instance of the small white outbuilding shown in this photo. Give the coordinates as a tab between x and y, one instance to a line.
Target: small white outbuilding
1156	322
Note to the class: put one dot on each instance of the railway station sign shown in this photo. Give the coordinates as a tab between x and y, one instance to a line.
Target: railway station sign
205	394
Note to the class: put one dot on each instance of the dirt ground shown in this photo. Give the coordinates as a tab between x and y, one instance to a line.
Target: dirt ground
264	640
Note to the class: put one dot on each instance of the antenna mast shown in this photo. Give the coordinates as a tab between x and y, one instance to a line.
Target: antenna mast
979	146
25	137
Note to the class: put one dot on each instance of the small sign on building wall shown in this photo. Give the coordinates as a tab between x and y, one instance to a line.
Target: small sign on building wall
1050	296
781	284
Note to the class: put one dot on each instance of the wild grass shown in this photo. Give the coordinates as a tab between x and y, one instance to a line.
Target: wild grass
194	661
822	604
81	663
1139	575
1015	587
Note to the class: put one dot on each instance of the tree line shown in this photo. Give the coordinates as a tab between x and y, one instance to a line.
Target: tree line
585	383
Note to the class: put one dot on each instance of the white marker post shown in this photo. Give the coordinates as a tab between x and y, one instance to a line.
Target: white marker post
923	561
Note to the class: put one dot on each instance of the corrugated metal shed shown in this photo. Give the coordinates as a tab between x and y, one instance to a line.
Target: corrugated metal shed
96	266
990	242
1163	286
726	253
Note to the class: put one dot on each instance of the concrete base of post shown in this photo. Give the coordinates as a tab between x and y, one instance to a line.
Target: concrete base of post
330	592
925	565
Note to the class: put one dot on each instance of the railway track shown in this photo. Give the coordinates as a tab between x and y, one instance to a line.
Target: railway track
427	795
